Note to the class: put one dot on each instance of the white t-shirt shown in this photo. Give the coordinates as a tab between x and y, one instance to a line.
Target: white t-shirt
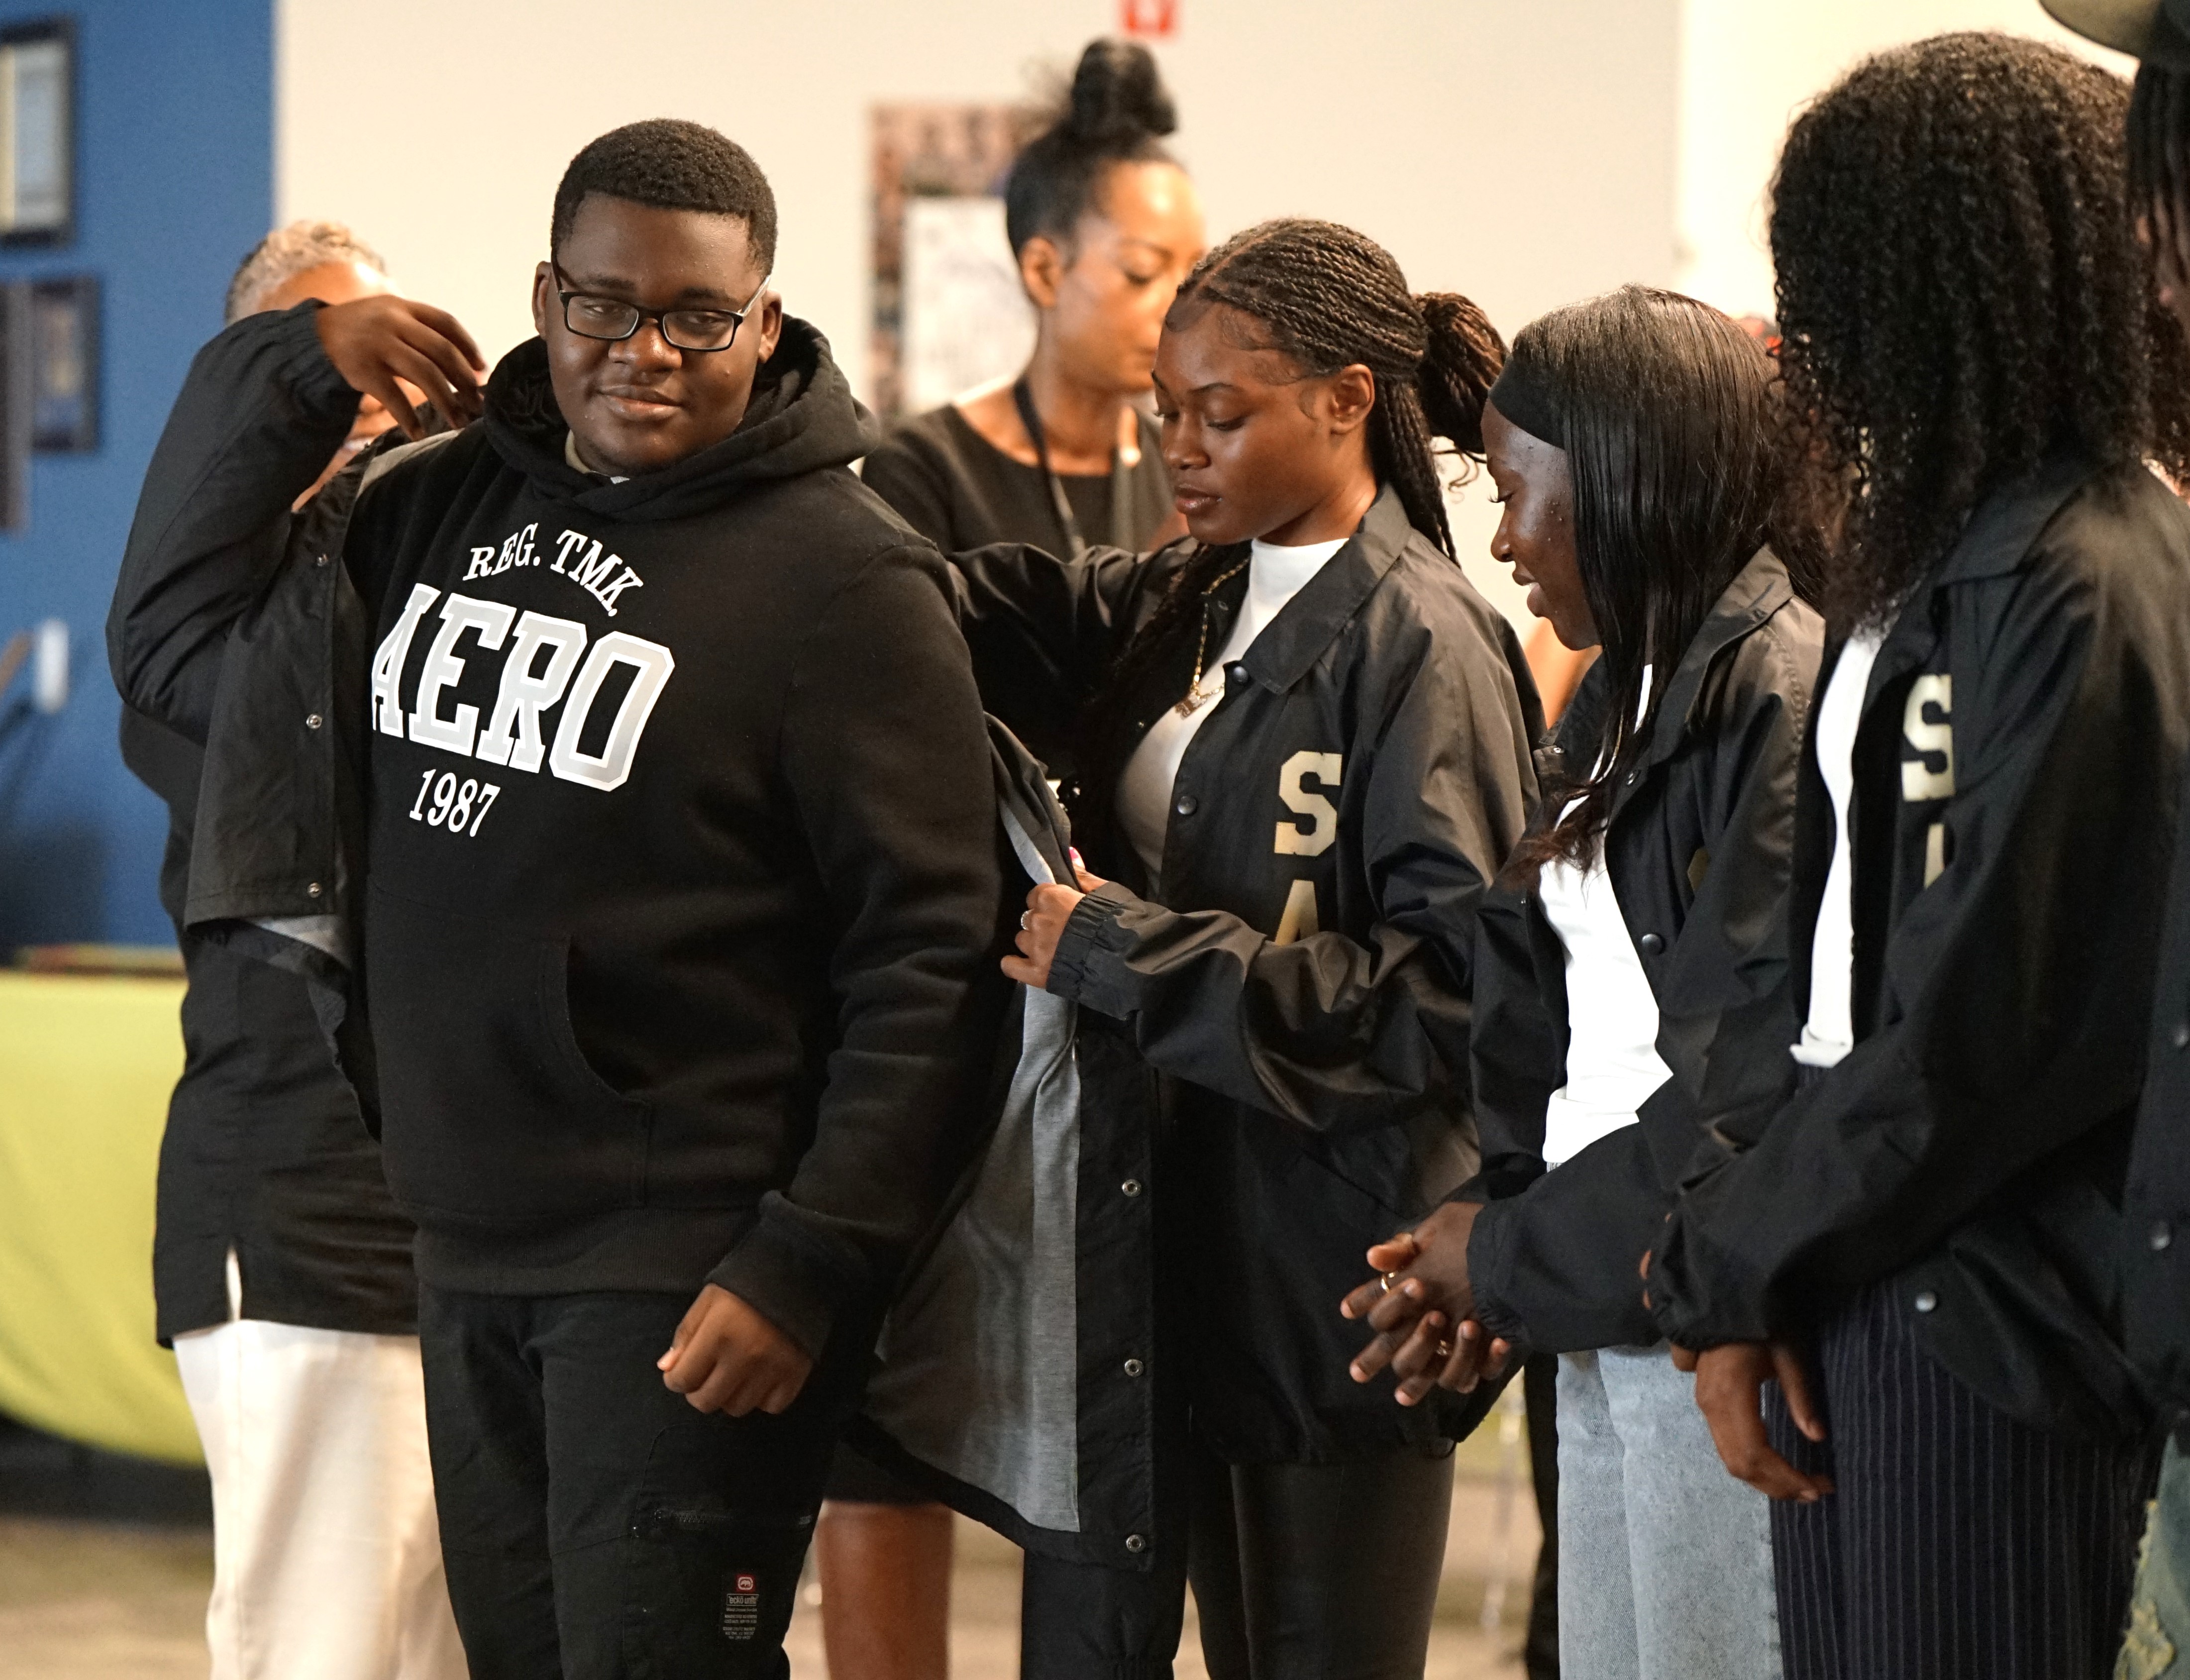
1830	1033
1274	576
1613	1064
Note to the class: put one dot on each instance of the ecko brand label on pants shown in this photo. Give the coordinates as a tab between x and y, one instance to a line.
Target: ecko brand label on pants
741	1606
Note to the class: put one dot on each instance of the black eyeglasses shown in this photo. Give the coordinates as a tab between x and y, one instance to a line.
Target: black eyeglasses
613	320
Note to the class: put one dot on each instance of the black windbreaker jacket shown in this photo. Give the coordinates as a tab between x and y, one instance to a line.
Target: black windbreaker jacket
1306	1008
264	1151
2017	773
2156	1230
1697	847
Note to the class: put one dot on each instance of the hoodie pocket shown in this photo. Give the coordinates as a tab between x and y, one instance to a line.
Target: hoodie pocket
490	1111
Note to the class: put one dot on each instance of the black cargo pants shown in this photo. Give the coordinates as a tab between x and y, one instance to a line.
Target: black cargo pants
593	1525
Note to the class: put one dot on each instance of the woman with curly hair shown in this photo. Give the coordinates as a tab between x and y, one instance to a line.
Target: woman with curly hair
1917	1237
1301	742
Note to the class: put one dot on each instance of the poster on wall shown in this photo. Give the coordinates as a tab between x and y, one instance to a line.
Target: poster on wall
948	311
64	365
966	319
18	363
37	133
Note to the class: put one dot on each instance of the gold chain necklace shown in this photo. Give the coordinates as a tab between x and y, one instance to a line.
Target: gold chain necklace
1195	700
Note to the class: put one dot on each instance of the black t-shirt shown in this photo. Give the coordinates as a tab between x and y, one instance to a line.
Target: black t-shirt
959	491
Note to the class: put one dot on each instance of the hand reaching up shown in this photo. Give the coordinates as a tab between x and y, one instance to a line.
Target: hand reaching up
390	349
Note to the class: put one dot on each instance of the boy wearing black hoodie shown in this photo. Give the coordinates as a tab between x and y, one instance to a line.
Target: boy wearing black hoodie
680	892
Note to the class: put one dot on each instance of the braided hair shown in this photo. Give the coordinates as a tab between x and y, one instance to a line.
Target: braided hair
1959	296
1329	298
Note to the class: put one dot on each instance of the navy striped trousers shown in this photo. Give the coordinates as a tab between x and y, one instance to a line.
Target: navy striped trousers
1958	1544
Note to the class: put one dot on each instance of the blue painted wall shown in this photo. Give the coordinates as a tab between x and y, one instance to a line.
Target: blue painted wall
175	184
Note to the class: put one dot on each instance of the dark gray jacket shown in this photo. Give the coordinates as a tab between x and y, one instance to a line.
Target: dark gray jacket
1367	766
1697	847
2018	774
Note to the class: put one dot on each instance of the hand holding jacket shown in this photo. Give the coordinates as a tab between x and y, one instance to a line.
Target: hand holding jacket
1330	1030
1304	954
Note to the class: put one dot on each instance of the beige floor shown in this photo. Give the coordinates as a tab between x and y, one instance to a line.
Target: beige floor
81	1601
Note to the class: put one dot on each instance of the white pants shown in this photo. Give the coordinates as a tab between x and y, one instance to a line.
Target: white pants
327	1559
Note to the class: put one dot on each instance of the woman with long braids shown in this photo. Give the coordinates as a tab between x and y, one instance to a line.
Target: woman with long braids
1920	1236
1632	445
1301	742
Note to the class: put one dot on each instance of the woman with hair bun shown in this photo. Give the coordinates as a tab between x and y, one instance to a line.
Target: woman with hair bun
1300	749
1103	225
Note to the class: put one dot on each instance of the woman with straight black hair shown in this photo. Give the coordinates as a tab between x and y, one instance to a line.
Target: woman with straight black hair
1631	441
1301	742
1921	1238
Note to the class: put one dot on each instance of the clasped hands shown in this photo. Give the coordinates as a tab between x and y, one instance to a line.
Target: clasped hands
1421	1307
1422	1310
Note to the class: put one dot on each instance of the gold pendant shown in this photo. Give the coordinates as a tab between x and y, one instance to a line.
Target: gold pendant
1195	701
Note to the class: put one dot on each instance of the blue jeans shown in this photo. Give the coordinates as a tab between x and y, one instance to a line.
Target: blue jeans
2158	1640
1664	1560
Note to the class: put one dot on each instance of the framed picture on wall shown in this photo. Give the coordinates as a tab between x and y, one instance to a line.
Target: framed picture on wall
949	312
17	356
64	325
37	133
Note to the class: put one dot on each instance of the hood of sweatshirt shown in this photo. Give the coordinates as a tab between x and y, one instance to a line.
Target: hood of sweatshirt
802	418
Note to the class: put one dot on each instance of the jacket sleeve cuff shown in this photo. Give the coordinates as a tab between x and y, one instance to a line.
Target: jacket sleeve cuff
1489	1255
318	391
1697	1304
1089	964
797	1277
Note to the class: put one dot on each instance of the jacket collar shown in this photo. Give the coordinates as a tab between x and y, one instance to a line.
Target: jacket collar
2003	526
1295	639
1759	589
1996	540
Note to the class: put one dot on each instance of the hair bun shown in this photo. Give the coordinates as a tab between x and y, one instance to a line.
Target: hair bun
1118	95
1464	356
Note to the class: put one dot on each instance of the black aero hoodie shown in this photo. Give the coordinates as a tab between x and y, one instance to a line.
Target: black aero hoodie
681	877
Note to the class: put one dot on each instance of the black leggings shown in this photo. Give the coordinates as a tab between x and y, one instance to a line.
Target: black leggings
1300	1572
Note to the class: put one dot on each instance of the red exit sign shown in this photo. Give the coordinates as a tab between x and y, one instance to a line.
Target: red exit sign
1150	19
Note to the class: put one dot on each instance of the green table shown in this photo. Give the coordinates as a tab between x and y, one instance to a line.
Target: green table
85	1066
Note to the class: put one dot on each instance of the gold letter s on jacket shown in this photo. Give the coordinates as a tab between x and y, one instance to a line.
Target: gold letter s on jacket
1919	780
1326	768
